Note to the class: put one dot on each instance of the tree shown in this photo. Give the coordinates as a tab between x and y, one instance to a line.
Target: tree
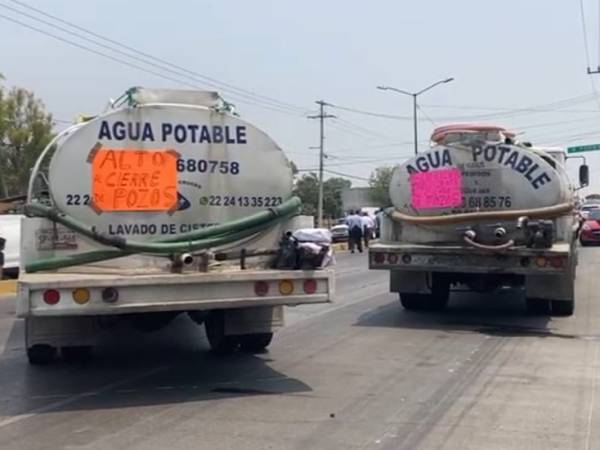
25	129
379	181
332	196
307	188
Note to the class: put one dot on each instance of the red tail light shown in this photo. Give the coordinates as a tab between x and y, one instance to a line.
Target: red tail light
556	262
51	296
310	286
261	288
110	295
379	258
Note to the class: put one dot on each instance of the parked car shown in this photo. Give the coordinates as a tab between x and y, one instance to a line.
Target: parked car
10	229
585	209
340	233
590	230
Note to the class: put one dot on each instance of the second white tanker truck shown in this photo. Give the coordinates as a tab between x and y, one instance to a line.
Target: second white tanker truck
481	210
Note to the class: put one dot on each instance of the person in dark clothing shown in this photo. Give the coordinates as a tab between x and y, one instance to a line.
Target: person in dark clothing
355	232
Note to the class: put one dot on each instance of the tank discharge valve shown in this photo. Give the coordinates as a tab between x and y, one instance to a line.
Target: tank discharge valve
183	259
470	234
500	232
186	259
539	233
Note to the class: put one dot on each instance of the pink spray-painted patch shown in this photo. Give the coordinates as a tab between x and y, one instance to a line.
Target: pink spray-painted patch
436	189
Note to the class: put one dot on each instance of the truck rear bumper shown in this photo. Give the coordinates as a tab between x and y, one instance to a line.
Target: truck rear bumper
432	258
170	292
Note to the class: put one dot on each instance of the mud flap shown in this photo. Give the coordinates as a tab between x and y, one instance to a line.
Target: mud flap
253	320
410	281
61	331
550	287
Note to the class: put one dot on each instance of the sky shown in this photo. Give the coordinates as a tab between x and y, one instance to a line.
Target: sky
520	64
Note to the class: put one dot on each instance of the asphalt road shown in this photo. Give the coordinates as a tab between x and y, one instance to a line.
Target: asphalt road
358	374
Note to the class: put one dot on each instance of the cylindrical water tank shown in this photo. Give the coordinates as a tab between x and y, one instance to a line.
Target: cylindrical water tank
154	170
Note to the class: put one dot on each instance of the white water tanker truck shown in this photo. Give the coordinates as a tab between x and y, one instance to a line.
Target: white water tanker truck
481	210
164	204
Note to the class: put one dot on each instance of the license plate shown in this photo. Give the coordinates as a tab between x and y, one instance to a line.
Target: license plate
56	239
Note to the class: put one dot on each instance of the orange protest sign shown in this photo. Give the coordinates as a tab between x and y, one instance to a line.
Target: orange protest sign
134	180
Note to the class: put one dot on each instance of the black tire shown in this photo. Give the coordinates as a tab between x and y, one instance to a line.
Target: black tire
583	244
215	333
41	354
538	306
437	300
563	308
412	302
79	353
255	343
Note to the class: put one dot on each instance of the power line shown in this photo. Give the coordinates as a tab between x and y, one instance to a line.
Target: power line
427	116
587	52
370	113
585	39
503	112
575	100
341	174
207	79
360	129
113	58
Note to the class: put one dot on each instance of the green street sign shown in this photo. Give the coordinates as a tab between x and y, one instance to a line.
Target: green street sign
583	148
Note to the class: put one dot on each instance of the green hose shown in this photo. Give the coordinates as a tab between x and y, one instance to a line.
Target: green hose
104	255
182	242
186	242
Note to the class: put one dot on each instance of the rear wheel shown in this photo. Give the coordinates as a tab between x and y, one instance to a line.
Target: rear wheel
41	354
412	302
255	343
563	308
538	306
215	333
77	353
437	300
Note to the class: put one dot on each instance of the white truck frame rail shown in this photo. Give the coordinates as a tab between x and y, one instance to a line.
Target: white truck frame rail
169	292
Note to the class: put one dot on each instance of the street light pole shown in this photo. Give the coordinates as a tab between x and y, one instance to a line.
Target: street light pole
414	95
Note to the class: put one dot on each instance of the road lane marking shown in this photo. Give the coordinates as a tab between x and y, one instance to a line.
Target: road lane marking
77	397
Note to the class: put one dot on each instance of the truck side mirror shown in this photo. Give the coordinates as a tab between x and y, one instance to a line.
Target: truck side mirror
584	175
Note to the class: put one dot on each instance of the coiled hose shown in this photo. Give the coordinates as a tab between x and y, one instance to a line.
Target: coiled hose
186	242
547	212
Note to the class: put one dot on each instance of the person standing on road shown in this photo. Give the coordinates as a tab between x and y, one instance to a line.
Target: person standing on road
378	216
354	222
368	224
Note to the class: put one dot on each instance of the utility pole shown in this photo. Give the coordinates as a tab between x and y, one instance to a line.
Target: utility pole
321	116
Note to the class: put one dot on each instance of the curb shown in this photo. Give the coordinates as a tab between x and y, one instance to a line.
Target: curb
8	287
